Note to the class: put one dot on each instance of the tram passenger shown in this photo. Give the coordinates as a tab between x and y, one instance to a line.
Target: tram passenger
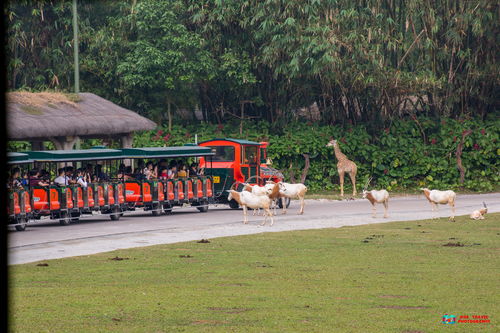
172	171
61	179
149	172
25	179
81	179
193	170
100	175
163	173
15	179
182	173
34	179
89	171
69	175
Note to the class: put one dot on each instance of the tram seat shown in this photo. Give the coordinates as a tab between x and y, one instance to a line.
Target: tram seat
41	198
133	192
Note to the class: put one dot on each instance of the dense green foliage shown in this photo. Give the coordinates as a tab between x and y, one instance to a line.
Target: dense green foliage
362	61
405	155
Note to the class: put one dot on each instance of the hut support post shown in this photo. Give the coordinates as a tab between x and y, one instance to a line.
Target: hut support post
64	142
126	142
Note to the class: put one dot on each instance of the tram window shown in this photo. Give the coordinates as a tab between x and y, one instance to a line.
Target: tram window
250	155
223	154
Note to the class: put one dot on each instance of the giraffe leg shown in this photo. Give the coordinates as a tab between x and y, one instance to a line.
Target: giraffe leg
352	175
341	175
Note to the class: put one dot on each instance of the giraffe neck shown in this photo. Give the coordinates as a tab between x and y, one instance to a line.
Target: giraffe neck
338	154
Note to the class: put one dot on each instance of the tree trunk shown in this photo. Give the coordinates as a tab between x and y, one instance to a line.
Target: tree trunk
169	114
306	168
458	154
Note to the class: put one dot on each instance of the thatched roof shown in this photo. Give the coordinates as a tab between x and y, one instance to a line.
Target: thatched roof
43	115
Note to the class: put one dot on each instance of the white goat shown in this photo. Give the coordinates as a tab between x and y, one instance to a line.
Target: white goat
436	197
479	214
249	200
257	190
375	197
293	191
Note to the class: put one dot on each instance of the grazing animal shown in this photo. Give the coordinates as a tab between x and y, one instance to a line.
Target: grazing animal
437	197
275	194
249	200
293	191
479	214
344	165
375	197
257	190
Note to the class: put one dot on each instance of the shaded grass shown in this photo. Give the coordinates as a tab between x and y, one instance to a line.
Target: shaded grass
392	277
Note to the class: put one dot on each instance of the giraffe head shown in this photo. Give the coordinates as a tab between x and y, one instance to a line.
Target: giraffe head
332	143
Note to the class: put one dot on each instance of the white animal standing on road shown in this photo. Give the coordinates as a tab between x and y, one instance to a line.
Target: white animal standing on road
437	197
377	196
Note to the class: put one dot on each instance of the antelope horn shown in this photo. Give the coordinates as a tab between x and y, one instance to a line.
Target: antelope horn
367	183
484	204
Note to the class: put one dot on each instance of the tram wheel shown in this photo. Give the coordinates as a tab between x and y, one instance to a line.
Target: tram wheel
167	209
63	219
287	202
204	207
22	224
156	211
116	214
234	204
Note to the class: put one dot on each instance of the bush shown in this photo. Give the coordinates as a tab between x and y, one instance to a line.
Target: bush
407	155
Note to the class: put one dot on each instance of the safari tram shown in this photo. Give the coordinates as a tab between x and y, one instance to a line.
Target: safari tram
225	164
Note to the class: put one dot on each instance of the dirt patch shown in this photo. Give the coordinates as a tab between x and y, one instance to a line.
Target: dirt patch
412	331
116	319
203	241
43	265
451	244
229	310
393	296
208	322
118	258
402	307
263	265
234	284
185	256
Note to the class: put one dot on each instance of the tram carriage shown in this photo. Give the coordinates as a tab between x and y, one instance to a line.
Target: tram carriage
160	196
19	206
227	163
69	203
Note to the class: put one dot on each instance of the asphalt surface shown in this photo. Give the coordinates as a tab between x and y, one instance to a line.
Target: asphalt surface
49	240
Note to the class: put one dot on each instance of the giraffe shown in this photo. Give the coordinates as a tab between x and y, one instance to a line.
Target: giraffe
344	165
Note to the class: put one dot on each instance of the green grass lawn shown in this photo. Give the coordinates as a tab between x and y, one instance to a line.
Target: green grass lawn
391	277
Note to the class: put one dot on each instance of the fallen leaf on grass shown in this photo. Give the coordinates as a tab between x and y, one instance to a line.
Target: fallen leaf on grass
43	265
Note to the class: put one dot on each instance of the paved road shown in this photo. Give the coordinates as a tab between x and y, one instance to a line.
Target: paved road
49	240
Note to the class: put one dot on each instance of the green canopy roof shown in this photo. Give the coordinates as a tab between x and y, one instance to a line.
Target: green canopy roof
18	158
166	152
74	155
239	141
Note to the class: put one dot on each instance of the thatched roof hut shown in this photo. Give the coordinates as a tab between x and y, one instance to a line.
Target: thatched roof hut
45	116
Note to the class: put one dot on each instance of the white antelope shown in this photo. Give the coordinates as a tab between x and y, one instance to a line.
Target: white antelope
479	214
249	200
437	197
257	190
374	196
293	191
